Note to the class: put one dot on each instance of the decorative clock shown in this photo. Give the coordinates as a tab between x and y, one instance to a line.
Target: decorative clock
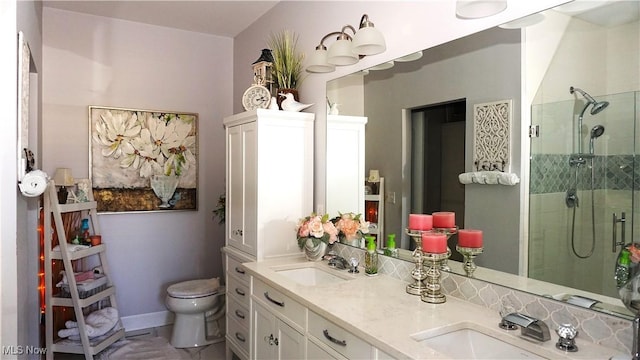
256	97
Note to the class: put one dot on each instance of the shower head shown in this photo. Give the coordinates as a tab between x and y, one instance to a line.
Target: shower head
596	132
597	106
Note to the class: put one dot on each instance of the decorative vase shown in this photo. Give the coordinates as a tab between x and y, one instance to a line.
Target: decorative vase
164	187
281	98
314	252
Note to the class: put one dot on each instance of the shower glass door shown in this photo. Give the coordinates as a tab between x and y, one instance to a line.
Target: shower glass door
575	180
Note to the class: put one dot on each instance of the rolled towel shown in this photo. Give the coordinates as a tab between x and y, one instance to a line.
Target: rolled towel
466	178
97	323
490	177
508	179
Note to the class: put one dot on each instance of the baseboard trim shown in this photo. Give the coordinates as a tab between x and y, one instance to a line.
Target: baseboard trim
146	321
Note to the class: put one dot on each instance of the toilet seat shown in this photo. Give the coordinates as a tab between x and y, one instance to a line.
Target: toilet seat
194	288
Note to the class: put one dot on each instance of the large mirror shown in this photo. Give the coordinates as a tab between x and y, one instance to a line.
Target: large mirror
576	171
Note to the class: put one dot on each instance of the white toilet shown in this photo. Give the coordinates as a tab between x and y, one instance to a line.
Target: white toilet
198	305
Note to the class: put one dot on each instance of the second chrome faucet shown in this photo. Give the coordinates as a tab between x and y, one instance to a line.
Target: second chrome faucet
529	326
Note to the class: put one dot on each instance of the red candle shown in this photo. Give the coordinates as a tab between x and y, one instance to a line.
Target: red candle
434	243
420	222
444	219
470	238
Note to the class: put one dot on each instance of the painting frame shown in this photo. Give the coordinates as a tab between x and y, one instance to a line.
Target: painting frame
143	160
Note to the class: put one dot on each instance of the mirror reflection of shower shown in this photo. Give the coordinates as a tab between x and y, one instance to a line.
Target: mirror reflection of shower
580	159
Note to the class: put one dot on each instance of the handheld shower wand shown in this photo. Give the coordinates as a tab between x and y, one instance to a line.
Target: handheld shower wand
596	132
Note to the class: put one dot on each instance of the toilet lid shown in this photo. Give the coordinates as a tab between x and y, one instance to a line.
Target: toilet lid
194	288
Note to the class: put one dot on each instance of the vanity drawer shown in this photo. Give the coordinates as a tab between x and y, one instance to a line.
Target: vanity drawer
239	313
234	267
338	338
316	352
282	305
238	290
238	335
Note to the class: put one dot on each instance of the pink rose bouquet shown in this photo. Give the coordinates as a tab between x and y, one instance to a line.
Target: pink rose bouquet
316	228
351	226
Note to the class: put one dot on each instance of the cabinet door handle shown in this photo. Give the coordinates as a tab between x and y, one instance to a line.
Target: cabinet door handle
240	292
240	337
239	314
239	270
332	339
279	303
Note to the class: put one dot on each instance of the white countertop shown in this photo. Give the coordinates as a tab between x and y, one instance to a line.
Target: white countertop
378	310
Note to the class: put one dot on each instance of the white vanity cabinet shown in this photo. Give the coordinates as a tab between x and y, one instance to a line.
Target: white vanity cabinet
269	177
238	316
269	180
277	324
345	179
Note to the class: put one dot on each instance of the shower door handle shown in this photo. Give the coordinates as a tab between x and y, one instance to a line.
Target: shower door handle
623	221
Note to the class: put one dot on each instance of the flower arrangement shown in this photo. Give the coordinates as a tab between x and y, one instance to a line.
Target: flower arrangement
316	228
351	227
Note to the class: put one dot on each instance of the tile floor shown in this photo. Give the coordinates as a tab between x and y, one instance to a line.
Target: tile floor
211	352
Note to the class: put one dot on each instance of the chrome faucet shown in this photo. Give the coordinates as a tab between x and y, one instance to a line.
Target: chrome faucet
338	262
529	326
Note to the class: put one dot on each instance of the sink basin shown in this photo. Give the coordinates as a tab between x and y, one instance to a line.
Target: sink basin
467	343
311	275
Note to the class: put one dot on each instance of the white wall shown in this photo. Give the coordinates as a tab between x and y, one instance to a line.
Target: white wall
92	60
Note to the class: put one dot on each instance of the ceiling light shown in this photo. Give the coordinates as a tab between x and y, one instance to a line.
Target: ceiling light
475	9
348	49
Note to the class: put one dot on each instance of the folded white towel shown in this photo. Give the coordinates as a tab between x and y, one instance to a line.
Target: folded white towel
488	177
97	323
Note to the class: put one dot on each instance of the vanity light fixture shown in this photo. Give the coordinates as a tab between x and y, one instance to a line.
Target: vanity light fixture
348	49
475	9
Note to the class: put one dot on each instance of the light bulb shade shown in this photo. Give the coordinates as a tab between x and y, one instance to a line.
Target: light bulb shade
318	62
340	53
63	177
368	41
474	9
374	176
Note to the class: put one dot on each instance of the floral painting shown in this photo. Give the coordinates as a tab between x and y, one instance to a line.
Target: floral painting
143	160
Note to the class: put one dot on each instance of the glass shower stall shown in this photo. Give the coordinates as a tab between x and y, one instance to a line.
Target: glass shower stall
583	187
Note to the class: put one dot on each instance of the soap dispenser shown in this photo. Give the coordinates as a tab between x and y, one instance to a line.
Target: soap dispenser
371	257
391	250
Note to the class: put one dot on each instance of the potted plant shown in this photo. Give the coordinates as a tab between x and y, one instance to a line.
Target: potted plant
287	63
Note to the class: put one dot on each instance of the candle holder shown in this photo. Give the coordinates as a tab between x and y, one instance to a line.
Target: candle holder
433	294
418	274
444	265
469	254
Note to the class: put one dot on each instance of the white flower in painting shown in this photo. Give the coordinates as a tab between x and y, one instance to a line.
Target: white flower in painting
114	131
171	137
180	157
143	154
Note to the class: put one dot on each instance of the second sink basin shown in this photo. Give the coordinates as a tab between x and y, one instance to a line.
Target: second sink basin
467	343
311	275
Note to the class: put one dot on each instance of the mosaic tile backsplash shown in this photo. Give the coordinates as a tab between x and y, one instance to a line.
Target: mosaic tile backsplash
551	173
598	328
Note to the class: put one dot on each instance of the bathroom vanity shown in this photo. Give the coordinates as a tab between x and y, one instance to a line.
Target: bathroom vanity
307	310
